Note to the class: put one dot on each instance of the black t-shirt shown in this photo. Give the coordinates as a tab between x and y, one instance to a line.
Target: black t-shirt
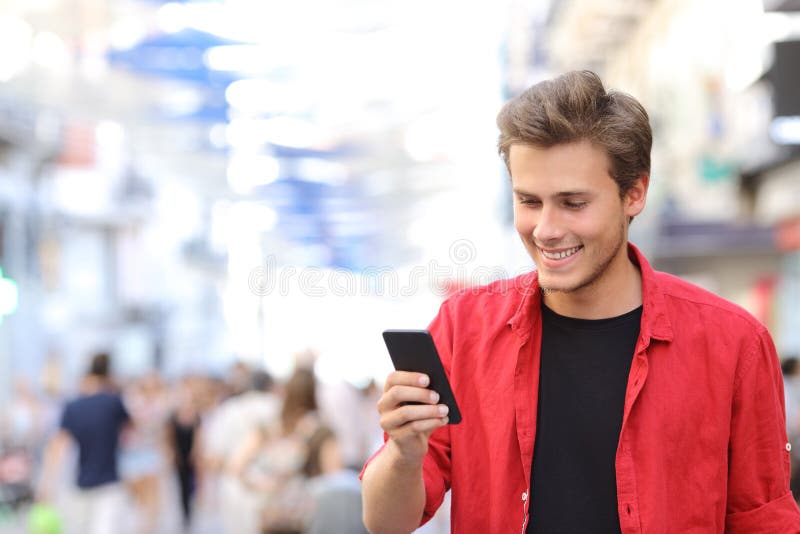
95	421
584	372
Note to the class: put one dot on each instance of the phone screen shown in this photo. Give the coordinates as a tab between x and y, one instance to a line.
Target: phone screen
414	350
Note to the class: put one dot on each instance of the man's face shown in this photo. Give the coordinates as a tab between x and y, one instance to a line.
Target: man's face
569	214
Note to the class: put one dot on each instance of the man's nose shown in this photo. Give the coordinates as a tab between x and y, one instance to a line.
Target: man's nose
548	227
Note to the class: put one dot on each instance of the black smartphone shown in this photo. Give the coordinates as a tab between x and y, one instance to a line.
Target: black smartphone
414	350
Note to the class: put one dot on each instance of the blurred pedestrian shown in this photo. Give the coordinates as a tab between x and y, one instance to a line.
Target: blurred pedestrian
270	461
93	421
334	489
183	429
25	418
228	427
25	423
144	452
790	367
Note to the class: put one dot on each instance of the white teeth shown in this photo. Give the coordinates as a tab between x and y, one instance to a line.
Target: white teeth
560	255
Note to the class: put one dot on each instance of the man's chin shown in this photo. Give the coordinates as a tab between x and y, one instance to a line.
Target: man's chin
549	289
552	288
548	286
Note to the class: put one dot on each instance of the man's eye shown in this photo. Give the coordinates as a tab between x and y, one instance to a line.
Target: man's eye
575	205
529	202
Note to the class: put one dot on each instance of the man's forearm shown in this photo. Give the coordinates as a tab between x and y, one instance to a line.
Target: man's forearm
53	456
394	494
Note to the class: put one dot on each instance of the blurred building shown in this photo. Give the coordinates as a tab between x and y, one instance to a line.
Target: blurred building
191	183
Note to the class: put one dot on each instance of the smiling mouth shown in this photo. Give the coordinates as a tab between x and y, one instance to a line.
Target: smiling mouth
560	255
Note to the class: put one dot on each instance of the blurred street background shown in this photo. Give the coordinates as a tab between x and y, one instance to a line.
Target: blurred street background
230	196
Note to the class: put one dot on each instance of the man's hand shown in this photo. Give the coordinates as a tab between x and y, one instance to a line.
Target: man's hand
54	453
409	426
393	487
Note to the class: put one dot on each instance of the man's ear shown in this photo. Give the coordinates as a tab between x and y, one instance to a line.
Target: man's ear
636	196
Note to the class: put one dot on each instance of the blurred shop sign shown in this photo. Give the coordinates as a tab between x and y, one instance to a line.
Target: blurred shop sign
78	145
781	5
180	55
787	234
785	79
715	169
8	296
24	126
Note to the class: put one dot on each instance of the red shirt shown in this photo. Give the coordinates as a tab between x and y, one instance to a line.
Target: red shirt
703	445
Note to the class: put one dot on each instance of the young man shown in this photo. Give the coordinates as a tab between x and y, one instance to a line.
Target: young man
93	422
597	395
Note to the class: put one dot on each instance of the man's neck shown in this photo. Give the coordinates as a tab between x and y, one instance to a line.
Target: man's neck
615	293
93	384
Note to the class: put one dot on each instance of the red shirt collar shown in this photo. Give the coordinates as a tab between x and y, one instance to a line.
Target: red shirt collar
655	319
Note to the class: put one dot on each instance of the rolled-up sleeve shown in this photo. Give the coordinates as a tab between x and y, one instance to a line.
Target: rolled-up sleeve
759	500
435	471
774	517
437	465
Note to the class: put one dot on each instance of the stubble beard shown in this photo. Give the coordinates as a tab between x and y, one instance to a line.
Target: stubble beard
597	273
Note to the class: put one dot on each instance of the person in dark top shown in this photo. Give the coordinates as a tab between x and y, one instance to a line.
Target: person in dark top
94	422
183	429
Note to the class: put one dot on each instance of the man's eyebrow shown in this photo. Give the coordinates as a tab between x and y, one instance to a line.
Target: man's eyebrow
521	192
560	194
576	193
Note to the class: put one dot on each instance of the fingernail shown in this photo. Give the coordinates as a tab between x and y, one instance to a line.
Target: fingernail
434	396
443	409
423	380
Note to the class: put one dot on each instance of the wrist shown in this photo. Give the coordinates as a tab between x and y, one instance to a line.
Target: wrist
399	459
